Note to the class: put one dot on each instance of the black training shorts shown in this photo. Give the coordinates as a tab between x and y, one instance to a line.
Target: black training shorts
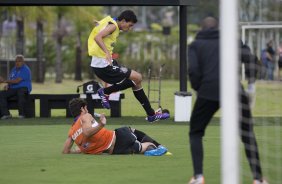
126	142
112	74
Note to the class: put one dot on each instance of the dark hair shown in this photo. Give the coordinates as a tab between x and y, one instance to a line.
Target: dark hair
75	106
128	16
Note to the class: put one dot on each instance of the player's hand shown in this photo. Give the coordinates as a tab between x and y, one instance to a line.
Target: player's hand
103	119
251	91
251	88
109	59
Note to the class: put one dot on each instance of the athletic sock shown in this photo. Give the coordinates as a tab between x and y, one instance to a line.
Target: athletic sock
142	98
127	83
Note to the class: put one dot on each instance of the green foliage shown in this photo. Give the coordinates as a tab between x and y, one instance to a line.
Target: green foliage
49	52
156	27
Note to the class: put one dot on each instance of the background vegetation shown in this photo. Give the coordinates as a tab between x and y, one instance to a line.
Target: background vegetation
57	36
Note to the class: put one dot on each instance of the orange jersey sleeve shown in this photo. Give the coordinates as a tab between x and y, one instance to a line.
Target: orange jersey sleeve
94	144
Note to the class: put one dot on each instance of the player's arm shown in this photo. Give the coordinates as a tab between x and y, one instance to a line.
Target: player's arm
194	68
68	147
90	126
109	29
13	81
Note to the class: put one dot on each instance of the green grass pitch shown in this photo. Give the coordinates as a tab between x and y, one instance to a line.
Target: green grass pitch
31	154
30	149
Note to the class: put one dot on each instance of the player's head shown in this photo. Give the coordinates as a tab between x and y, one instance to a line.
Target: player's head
19	61
209	23
75	106
127	19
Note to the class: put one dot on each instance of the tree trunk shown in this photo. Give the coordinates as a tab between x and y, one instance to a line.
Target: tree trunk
59	40
40	74
78	59
58	67
20	36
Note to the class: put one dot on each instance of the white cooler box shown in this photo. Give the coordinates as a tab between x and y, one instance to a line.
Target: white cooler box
183	106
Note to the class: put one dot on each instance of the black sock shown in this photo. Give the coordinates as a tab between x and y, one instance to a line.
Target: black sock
142	137
142	98
127	83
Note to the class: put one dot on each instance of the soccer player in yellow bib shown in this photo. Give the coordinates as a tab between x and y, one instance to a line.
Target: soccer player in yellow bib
101	43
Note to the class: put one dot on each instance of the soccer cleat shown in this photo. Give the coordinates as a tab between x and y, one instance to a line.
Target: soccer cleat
6	117
159	110
104	98
260	182
156	152
157	117
199	180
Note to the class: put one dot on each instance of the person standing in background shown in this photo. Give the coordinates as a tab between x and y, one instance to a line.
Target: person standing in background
279	53
204	64
270	60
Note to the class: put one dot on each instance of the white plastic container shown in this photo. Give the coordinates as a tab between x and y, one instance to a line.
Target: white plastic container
183	106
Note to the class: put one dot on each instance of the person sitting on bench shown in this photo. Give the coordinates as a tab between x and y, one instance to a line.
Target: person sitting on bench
19	85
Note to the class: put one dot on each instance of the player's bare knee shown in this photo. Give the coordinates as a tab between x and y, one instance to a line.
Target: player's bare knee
136	77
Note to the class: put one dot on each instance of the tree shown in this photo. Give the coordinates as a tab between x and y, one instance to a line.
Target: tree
82	24
41	14
59	34
20	12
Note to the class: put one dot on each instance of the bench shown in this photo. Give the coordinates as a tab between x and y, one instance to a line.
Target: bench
47	103
61	101
29	106
54	101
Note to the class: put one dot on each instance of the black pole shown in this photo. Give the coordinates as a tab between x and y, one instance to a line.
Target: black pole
183	48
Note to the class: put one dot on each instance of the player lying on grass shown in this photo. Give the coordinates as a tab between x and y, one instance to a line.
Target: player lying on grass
92	137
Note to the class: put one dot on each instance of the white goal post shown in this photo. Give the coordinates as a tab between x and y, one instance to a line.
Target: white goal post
229	92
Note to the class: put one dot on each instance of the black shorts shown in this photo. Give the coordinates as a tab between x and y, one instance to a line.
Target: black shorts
126	142
112	74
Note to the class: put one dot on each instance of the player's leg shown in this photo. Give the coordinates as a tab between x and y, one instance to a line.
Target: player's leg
154	149
202	113
4	95
22	95
127	143
248	137
142	137
115	75
140	95
125	140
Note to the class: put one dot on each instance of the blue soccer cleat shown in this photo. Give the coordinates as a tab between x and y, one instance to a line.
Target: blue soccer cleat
104	98
156	152
157	117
